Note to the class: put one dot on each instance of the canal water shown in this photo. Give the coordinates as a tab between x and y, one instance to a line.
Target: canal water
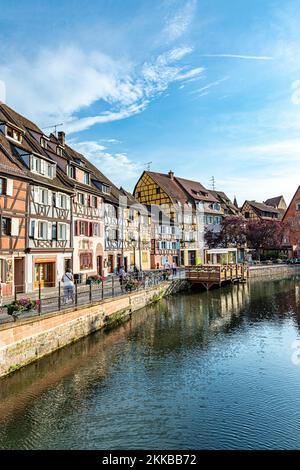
217	370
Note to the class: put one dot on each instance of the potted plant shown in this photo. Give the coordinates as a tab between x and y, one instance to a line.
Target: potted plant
24	304
93	279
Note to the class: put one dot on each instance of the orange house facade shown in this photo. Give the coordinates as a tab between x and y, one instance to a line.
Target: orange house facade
13	209
292	221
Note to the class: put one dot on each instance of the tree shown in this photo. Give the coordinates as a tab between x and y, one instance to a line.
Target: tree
236	231
265	234
232	233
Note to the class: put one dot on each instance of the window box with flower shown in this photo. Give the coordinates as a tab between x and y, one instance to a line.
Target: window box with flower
24	304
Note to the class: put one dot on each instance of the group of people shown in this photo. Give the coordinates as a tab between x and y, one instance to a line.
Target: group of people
68	279
168	267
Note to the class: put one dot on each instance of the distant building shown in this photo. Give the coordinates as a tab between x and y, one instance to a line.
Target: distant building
260	211
292	221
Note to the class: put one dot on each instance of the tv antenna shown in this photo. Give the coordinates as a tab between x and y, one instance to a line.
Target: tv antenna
148	165
213	183
54	126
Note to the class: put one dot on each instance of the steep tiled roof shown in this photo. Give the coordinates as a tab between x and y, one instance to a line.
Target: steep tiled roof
224	199
8	114
96	175
273	201
28	145
261	207
169	186
7	164
195	190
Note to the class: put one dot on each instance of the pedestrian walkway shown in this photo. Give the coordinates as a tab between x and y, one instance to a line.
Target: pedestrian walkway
52	299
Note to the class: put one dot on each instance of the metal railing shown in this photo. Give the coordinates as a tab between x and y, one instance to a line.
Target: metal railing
63	297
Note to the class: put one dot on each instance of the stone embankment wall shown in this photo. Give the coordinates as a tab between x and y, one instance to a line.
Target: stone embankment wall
25	341
273	270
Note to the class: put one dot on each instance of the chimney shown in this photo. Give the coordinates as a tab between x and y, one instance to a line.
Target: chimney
171	175
61	137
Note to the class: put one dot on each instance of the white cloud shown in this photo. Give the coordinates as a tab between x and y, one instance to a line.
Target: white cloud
285	151
237	56
117	167
178	23
56	85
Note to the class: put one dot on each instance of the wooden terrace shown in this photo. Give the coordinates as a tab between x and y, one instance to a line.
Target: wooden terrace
210	275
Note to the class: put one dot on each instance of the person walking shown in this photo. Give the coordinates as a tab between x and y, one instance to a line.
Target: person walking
122	277
174	268
68	281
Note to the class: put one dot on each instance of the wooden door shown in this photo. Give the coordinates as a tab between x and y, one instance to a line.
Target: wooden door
44	275
19	275
100	265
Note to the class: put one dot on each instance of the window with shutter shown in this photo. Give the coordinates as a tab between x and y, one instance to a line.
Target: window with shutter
32	229
54	231
6	226
15	227
9	187
3	186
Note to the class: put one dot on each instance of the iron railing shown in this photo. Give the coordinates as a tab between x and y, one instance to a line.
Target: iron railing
55	299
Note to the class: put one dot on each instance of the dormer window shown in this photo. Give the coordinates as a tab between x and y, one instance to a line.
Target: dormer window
105	189
44	143
59	151
14	134
42	167
86	178
71	172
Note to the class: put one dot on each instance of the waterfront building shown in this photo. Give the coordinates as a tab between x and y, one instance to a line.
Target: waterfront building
13	212
165	239
291	221
187	203
48	242
87	208
136	233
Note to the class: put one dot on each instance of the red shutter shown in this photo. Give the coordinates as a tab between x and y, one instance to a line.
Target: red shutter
77	227
90	229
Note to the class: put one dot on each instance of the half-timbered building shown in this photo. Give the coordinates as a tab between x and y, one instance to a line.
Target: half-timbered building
49	214
291	222
13	211
188	204
136	233
260	211
165	239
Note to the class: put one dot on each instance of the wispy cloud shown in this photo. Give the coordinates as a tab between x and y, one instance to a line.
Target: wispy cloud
178	23
238	56
117	166
57	85
207	87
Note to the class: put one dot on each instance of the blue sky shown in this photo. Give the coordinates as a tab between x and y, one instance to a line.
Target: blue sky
202	87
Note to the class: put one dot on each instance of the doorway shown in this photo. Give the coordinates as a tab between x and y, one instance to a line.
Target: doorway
19	275
100	265
110	264
44	274
192	258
